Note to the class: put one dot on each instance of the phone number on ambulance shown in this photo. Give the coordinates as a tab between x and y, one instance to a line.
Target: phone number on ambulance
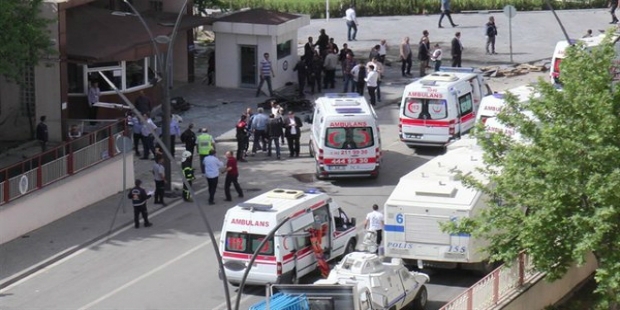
348	152
346	161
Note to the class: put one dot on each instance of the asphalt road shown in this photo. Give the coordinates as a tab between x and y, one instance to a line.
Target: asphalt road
171	265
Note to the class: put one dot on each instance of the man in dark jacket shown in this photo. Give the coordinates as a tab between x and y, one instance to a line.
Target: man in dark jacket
138	197
457	50
491	33
424	55
143	103
302	71
242	137
316	71
322	42
274	131
292	131
42	134
189	138
308	51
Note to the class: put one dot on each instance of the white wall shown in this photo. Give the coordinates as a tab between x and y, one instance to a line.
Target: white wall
64	197
228	63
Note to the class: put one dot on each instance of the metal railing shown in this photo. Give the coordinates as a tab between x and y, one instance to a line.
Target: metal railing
60	162
493	288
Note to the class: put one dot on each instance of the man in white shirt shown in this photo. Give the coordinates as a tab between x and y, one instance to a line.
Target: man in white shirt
351	23
212	171
374	222
371	83
329	65
383	48
376	62
148	128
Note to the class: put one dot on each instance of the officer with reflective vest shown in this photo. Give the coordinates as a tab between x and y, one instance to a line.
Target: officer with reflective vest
188	173
205	144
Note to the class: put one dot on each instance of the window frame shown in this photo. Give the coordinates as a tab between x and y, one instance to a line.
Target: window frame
148	64
425	108
284	49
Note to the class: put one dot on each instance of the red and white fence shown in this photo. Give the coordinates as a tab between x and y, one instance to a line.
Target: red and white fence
492	289
69	158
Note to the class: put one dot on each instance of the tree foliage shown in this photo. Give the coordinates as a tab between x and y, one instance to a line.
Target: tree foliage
560	183
203	5
24	37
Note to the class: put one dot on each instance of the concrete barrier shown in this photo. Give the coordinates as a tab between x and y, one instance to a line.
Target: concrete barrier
64	197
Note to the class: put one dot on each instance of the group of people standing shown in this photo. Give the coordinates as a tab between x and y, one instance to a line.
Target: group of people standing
268	131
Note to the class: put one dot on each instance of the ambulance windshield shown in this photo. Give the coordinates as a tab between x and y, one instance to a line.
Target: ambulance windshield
425	108
247	243
349	138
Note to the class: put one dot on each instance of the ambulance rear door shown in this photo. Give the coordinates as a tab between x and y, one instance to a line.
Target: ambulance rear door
351	145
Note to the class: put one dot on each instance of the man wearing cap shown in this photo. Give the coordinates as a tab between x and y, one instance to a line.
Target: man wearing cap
138	198
205	144
188	173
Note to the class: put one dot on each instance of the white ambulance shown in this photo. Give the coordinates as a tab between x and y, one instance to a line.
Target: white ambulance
440	107
559	54
491	105
345	139
288	254
429	195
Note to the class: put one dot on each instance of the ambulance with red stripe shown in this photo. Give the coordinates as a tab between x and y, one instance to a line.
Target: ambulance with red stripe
440	107
345	139
491	105
288	254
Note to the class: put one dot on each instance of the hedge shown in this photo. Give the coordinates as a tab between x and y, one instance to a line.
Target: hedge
316	8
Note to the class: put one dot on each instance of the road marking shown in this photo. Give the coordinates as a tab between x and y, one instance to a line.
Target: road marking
79	251
144	276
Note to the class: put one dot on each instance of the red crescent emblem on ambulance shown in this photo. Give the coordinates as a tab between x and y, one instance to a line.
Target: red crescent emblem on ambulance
437	108
332	138
413	107
284	244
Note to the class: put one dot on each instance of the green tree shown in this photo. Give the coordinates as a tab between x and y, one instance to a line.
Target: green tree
560	184
203	5
24	37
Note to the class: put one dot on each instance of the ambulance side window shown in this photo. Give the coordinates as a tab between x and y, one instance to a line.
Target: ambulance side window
321	215
465	103
341	220
303	241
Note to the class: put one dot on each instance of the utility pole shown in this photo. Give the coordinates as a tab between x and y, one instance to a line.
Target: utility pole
164	66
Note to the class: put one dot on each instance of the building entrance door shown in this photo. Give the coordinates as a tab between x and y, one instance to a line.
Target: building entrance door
248	66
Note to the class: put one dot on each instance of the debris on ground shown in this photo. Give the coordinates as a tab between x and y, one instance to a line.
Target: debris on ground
510	71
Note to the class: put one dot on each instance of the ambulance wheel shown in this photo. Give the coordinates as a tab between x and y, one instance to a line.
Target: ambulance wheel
419	303
350	247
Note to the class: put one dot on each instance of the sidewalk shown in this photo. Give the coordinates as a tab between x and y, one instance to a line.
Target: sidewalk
219	109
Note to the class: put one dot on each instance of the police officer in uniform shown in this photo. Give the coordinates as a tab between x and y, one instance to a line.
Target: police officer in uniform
138	197
205	144
188	173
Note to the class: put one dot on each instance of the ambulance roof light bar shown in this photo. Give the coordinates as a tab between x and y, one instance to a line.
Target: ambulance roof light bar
255	206
342	95
457	69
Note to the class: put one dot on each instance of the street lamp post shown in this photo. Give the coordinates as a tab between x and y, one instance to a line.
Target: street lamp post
163	66
166	126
